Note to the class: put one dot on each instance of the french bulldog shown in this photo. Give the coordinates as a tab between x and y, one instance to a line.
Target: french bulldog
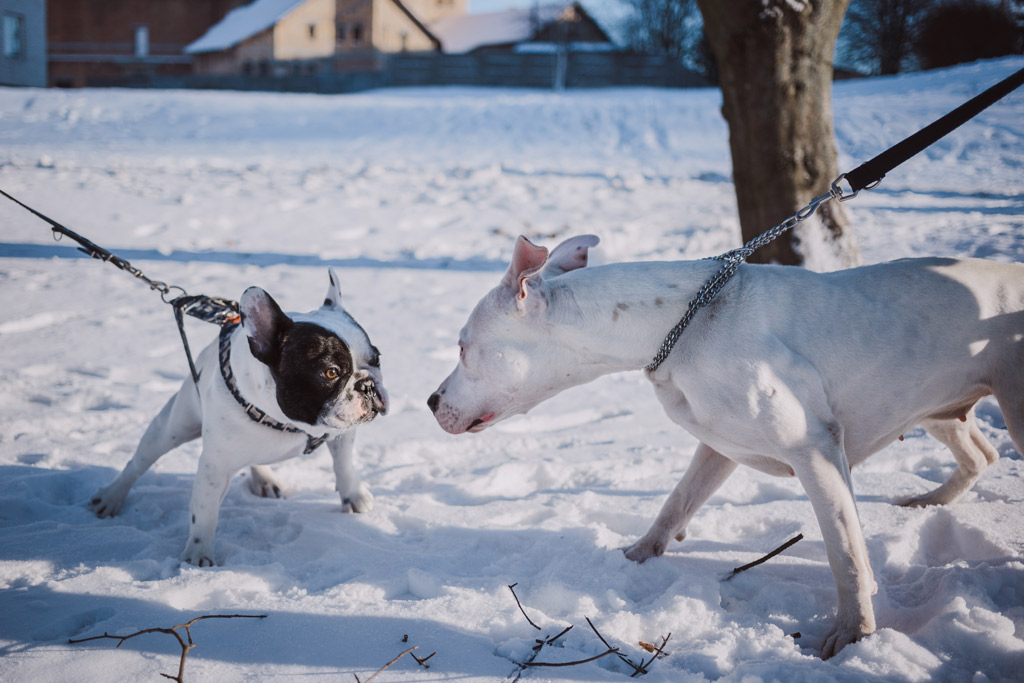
791	372
271	388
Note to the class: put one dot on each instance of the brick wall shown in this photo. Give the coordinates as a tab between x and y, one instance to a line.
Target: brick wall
90	39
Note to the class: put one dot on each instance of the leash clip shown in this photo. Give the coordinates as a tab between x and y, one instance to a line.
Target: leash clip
838	193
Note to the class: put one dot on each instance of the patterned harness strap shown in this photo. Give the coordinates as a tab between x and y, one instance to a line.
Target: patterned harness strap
254	413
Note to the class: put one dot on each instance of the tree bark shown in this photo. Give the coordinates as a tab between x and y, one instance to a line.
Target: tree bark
775	71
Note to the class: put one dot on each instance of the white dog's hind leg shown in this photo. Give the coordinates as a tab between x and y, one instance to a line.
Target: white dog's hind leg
355	496
1009	393
825	476
263	483
707	471
973	455
180	421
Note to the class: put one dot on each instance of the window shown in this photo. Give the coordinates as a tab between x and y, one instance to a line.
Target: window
312	31
340	32
357	34
142	41
12	36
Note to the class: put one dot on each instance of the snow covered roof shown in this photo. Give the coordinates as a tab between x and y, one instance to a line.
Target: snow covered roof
242	23
468	32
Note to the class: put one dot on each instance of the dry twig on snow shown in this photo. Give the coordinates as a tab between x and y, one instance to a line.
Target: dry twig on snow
405	639
638	669
767	557
513	589
186	643
375	673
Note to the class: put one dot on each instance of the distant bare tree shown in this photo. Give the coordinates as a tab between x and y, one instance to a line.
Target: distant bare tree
662	27
882	33
775	69
958	31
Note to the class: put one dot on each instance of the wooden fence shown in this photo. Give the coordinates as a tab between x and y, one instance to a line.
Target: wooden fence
544	70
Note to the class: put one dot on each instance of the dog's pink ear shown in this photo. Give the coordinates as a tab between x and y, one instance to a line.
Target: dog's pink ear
527	258
264	323
569	255
333	297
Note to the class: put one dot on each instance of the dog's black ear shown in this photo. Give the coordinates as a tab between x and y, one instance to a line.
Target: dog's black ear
333	297
265	324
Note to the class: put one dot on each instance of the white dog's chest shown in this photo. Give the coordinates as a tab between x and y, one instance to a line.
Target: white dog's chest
720	434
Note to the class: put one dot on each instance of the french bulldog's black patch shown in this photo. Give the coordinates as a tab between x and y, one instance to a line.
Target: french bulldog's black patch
311	370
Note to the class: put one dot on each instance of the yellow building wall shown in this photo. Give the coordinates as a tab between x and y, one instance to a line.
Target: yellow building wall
394	31
429	11
307	32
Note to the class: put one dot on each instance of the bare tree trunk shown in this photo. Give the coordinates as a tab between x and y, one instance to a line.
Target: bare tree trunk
775	70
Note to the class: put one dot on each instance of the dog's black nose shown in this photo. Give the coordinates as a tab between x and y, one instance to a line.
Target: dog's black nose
434	401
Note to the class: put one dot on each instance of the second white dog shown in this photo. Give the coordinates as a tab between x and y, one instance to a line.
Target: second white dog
788	371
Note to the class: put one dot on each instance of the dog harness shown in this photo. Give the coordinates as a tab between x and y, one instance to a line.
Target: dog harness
254	413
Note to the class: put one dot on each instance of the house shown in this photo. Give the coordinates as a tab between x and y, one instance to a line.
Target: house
23	42
252	39
537	29
99	42
278	37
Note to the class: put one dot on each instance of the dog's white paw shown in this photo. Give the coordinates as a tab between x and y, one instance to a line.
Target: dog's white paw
263	484
359	500
108	501
645	549
841	636
198	553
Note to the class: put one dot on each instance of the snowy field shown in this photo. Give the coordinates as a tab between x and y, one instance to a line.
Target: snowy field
415	196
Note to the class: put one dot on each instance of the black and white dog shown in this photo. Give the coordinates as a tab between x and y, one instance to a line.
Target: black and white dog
314	377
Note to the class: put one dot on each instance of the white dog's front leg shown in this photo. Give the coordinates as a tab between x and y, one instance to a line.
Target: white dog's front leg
355	496
708	470
208	491
263	483
825	477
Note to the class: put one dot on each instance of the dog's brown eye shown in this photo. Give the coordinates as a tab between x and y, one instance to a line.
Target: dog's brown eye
331	373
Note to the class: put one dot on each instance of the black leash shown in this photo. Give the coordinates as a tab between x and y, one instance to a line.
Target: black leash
864	177
869	174
211	309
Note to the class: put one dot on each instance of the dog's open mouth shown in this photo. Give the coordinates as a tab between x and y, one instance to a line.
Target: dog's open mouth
480	423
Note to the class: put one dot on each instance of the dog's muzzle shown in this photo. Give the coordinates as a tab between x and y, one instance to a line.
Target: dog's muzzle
375	400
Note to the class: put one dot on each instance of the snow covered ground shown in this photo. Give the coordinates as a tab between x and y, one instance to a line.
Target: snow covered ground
416	196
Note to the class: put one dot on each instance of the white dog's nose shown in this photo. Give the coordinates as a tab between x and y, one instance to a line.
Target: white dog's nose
434	401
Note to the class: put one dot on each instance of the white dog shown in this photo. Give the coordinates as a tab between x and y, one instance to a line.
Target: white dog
788	371
273	387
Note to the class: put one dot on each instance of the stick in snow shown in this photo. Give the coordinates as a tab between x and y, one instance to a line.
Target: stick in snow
185	646
767	557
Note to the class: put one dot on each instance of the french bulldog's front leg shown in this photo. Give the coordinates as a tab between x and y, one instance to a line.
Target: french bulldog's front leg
208	491
355	496
263	483
707	471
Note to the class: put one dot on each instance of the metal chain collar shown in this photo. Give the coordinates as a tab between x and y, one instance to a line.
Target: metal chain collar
733	260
